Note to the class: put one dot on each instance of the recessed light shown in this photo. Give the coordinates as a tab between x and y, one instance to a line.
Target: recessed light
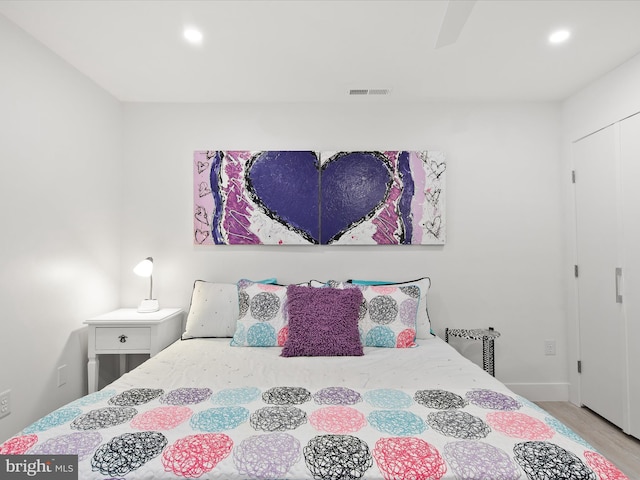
559	36
193	35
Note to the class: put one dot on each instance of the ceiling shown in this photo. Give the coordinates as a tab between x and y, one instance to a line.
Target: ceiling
316	51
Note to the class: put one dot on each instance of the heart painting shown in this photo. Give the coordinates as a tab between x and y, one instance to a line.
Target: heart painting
328	198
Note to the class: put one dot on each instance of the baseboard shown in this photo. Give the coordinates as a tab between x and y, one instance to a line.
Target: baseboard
542	392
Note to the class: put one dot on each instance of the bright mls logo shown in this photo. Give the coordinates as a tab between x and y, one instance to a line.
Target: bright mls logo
45	467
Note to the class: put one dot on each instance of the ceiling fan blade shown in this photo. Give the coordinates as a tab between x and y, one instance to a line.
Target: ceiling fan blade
455	17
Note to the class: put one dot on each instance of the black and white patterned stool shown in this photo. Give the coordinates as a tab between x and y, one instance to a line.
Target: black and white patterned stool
486	335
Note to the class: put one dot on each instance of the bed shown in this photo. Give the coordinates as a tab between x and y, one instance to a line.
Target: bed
206	408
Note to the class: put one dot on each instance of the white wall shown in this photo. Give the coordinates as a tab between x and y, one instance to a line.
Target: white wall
501	266
610	99
60	186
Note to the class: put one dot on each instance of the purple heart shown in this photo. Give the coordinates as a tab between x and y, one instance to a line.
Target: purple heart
286	184
347	191
354	185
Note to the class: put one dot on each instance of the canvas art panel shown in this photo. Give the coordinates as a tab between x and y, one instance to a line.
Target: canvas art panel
309	198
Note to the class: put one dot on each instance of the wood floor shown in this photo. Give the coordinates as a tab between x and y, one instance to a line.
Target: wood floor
609	440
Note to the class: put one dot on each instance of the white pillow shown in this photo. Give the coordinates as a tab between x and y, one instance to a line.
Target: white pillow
214	310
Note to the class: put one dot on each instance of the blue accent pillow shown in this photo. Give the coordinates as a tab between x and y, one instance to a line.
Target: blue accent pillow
370	282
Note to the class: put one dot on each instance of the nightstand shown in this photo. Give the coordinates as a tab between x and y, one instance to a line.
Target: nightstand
486	335
126	331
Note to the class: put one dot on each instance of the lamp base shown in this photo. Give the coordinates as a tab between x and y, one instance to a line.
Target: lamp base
148	306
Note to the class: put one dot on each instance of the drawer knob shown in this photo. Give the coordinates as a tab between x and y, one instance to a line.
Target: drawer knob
123	338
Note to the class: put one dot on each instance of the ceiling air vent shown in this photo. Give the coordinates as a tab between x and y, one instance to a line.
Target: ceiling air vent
369	91
379	91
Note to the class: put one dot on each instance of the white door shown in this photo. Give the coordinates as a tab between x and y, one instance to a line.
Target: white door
600	317
630	179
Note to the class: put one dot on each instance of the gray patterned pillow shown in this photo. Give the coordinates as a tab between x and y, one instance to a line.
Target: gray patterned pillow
388	316
262	321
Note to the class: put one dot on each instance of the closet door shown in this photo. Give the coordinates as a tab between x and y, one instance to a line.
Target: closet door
630	180
600	316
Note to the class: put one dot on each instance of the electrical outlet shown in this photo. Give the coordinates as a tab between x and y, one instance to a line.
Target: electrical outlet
549	347
62	375
5	403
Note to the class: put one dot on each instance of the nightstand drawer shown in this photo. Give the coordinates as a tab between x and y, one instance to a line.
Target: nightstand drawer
123	338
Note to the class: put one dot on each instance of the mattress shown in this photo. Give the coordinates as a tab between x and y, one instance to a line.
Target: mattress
204	409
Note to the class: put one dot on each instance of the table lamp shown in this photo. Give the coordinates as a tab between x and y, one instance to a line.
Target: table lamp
145	269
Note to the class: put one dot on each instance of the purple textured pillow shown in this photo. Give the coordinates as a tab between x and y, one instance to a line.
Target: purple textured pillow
322	322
